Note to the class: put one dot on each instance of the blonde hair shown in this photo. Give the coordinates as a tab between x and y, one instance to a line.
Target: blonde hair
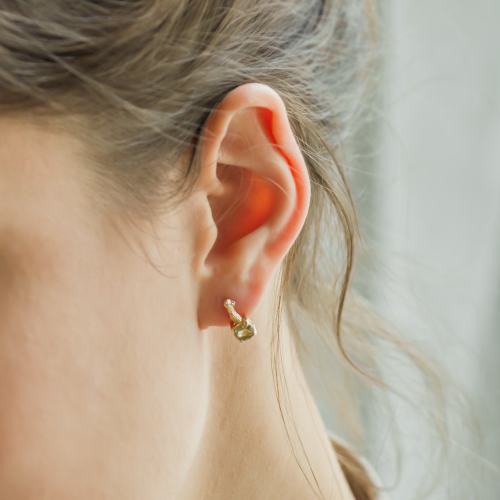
147	73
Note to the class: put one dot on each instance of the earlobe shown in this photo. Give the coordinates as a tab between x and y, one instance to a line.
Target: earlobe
256	183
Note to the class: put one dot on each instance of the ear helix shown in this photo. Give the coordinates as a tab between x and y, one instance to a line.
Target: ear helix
242	327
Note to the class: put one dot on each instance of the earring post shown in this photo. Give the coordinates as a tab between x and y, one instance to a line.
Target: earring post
235	317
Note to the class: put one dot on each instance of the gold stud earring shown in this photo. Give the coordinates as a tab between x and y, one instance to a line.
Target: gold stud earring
242	327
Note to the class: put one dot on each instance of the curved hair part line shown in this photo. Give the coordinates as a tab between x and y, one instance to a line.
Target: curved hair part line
147	73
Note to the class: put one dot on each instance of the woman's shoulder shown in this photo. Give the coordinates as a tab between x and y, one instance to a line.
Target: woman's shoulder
364	481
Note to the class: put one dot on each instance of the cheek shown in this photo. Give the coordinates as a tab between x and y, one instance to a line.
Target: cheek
103	387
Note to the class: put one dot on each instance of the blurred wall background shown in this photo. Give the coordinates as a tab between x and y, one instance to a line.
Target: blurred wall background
426	176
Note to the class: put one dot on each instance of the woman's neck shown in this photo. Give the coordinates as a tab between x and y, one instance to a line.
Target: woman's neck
244	452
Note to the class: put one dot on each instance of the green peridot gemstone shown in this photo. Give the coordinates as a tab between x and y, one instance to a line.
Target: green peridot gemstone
244	330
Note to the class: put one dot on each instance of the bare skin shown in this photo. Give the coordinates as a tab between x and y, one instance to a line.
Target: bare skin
119	375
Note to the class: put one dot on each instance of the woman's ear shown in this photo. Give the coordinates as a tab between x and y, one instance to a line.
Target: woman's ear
257	187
